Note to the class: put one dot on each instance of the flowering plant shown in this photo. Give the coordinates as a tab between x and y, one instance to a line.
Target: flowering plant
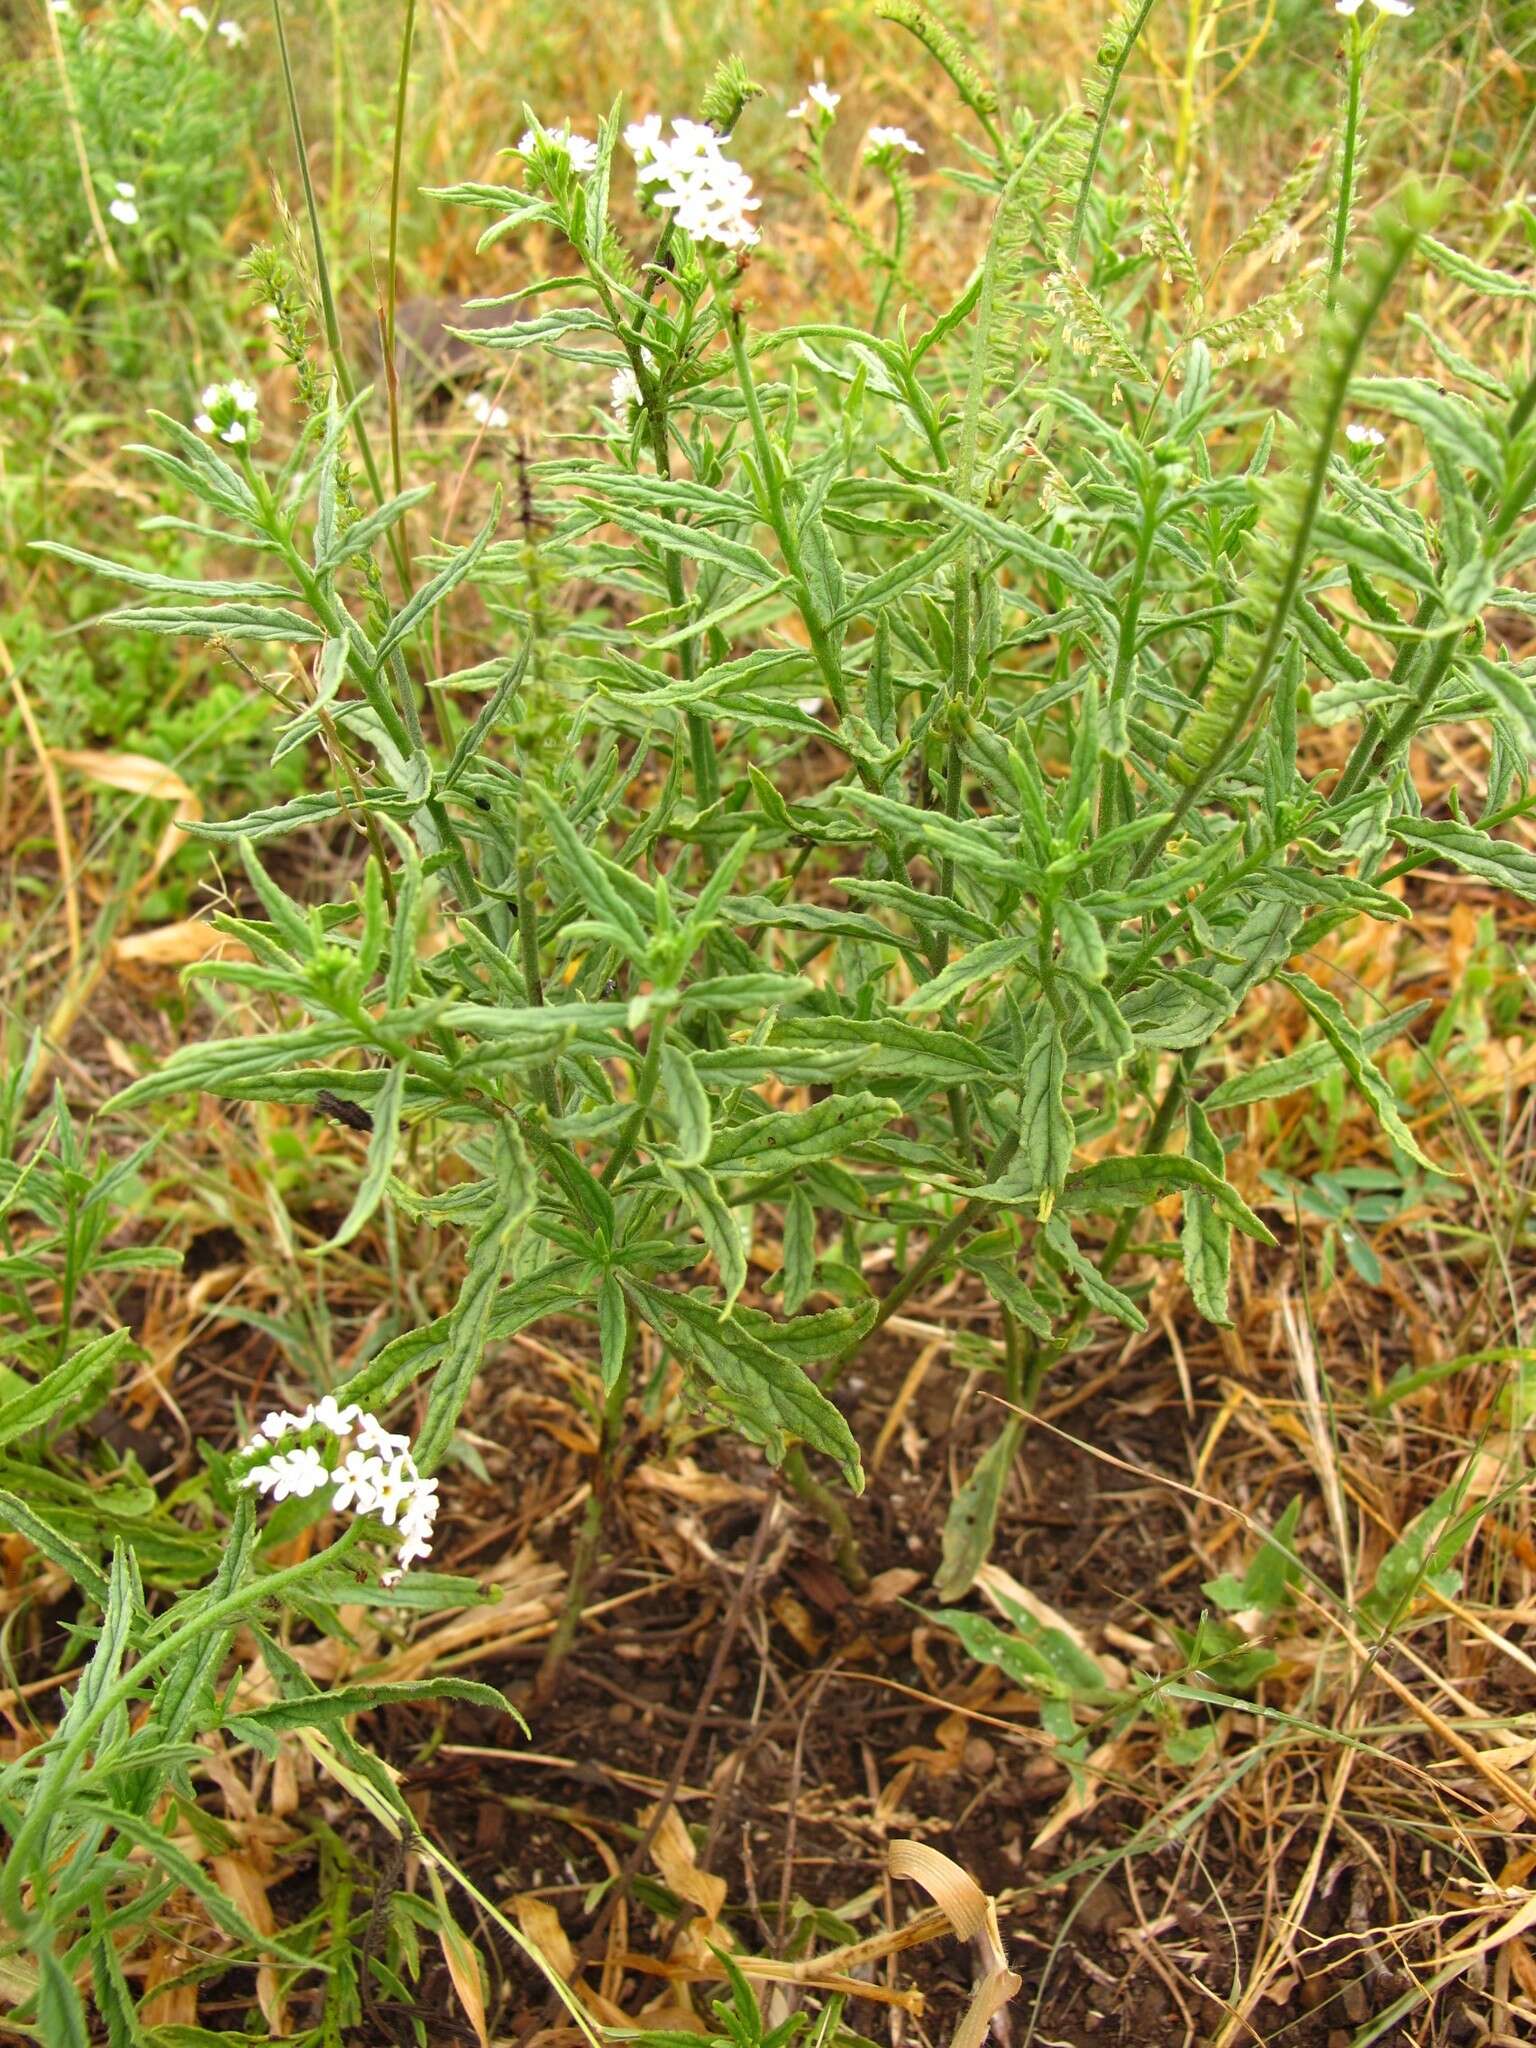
976	717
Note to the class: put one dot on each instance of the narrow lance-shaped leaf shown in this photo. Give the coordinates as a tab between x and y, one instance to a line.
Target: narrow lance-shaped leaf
768	1397
1135	1182
382	1145
1206	1239
469	1325
689	1105
1344	1037
66	1383
709	1209
1099	1291
972	1519
799	1250
1046	1136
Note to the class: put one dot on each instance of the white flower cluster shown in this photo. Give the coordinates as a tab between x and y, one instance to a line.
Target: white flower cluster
708	194
123	207
581	150
229	410
377	1476
486	412
1400	8
889	142
820	97
1365	437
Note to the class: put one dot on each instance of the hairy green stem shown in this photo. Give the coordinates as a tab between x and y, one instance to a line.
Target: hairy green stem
1349	161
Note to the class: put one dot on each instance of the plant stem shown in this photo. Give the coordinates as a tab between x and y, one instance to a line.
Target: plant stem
391	278
829	1506
328	297
589	1536
528	946
1348	163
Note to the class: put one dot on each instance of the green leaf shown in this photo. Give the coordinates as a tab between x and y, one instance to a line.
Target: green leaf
358	538
1082	942
1266	1585
1498	861
221	1068
431	595
382	1144
709	1209
1206	1238
972	1519
221	622
15	1514
689	1105
589	874
1057	1234
993	956
1135	1182
768	1397
1328	1013
612	1330
66	1383
469	1324
340	1703
799	1250
205	589
1046	1135
788	1138
1303	1069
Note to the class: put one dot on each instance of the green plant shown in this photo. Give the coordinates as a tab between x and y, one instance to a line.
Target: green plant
1064	648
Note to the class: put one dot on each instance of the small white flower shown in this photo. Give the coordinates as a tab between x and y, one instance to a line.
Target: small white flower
581	150
1365	437
233	33
297	1474
198	19
643	138
1400	8
277	1423
229	411
339	1421
816	95
60	7
395	1486
373	1436
882	142
123	208
480	407
357	1480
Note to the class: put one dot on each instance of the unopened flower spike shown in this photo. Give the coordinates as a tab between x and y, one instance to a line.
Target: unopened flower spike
376	1476
1400	9
229	412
